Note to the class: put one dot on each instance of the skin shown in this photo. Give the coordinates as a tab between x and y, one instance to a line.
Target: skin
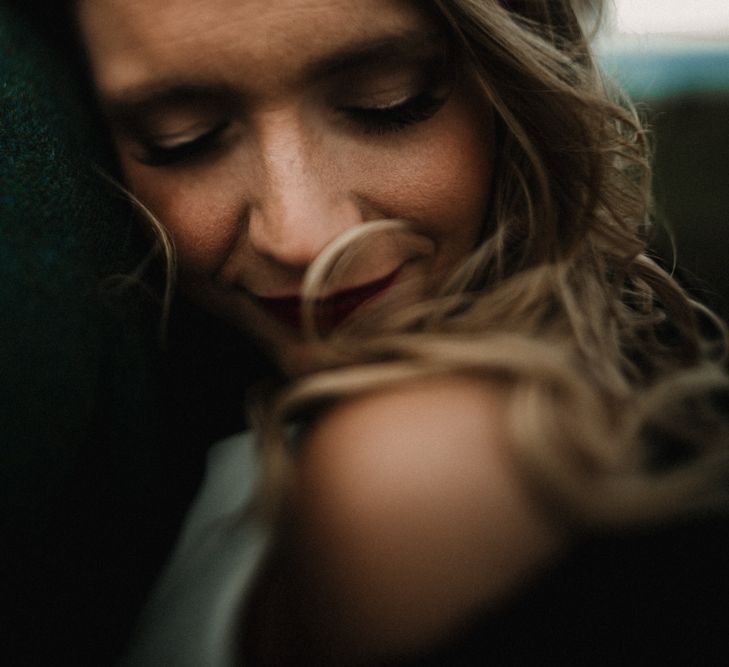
293	168
412	517
283	87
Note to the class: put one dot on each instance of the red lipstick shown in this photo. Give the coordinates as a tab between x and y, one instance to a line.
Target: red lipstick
331	310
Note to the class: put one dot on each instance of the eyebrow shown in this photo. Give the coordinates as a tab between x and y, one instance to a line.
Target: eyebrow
144	99
408	45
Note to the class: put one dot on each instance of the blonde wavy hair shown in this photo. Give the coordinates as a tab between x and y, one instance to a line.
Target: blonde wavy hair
613	374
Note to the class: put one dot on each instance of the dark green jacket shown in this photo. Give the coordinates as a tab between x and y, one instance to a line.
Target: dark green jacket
102	432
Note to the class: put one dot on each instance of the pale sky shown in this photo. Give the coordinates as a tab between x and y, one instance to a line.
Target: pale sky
709	17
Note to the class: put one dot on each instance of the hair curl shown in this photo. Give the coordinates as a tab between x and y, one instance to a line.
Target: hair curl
615	383
615	376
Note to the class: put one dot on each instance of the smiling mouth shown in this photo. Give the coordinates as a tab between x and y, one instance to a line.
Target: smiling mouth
330	311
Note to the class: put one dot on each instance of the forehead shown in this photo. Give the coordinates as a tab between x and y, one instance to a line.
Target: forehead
133	42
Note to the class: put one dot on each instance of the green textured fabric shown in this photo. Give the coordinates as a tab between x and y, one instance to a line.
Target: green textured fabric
90	501
59	236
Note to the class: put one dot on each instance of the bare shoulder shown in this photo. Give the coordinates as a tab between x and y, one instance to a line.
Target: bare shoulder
416	509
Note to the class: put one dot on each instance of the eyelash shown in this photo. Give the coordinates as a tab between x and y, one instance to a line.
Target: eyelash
372	120
386	120
160	156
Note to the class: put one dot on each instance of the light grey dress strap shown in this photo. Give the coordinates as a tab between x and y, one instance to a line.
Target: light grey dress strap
191	618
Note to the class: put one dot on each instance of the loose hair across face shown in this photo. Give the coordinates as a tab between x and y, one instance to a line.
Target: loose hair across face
615	384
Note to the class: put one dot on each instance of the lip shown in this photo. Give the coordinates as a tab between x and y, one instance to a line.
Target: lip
331	310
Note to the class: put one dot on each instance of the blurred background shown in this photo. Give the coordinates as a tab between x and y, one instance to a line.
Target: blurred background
672	58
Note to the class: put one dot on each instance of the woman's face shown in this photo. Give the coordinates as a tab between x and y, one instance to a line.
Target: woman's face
257	131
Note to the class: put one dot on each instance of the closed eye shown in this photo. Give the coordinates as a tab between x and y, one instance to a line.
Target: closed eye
398	116
185	146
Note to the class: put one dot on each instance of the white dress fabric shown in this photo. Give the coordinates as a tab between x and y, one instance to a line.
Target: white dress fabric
191	618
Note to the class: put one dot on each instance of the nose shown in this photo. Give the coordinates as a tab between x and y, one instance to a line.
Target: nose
303	201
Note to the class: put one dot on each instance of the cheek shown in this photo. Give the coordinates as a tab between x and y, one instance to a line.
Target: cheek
442	183
200	211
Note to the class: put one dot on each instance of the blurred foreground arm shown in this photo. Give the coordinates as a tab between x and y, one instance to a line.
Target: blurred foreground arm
410	518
